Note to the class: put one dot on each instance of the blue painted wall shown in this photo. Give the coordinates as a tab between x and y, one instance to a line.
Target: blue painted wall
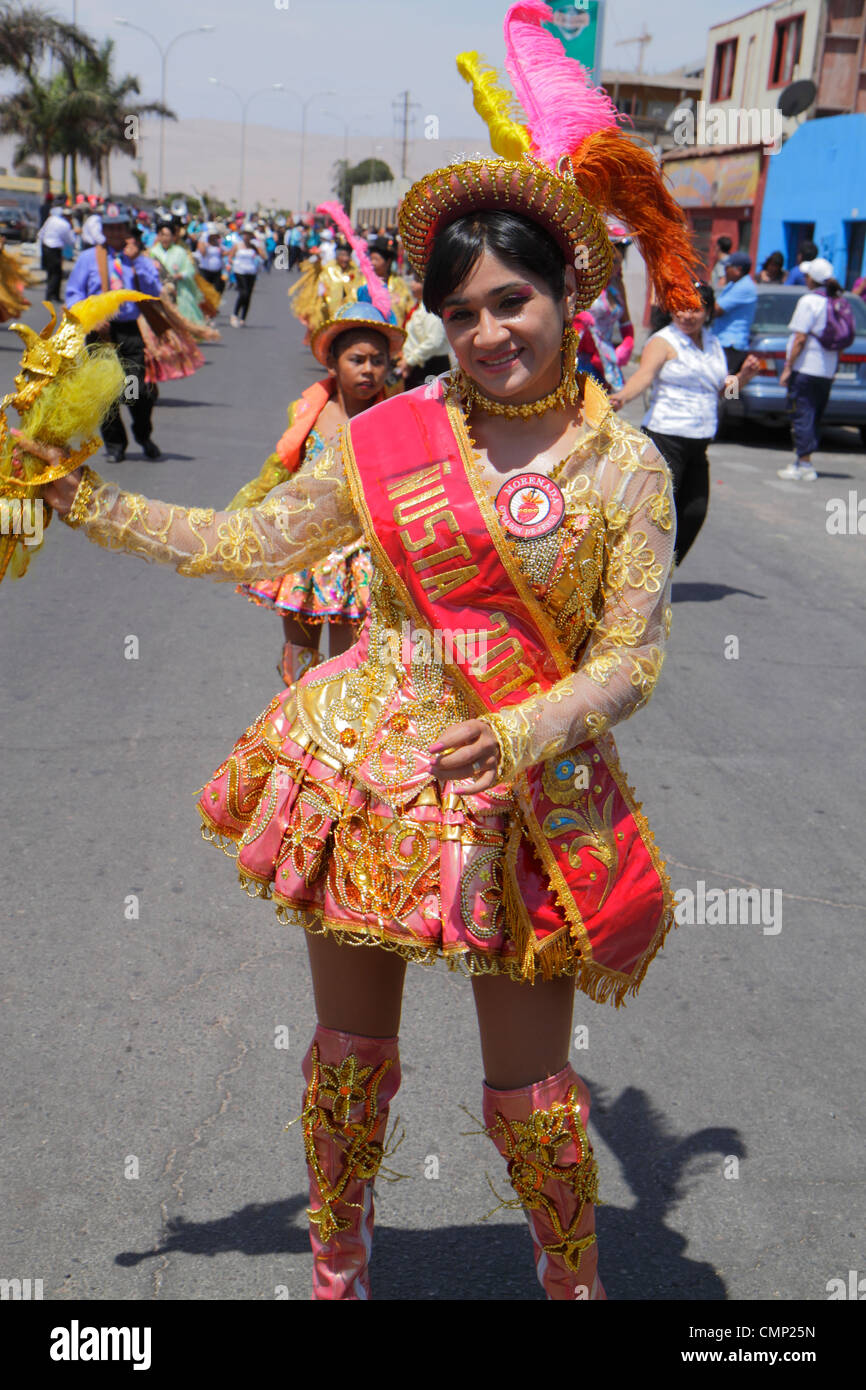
819	176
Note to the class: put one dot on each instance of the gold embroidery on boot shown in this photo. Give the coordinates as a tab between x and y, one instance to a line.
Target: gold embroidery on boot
531	1147
342	1087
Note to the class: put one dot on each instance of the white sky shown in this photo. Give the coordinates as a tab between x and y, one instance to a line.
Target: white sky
366	51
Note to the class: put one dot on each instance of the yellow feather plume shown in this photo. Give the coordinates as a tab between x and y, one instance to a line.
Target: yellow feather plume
495	105
99	308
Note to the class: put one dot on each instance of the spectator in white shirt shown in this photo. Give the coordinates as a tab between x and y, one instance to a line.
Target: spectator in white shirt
55	233
425	351
91	232
809	367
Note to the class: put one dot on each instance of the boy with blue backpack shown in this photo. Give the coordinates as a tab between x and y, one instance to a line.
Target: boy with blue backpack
821	327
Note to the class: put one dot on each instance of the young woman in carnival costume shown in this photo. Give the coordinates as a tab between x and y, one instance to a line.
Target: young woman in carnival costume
462	798
356	348
607	332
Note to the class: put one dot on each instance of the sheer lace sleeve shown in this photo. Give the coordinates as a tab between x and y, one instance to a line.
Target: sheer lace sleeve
299	523
622	658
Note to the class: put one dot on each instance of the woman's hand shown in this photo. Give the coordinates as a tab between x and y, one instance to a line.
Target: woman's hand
61	493
617	399
467	752
750	368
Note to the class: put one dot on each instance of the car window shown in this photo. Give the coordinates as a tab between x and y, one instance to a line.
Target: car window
773	312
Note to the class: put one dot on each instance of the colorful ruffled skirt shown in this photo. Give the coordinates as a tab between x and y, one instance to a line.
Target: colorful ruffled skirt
168	356
337	590
426	881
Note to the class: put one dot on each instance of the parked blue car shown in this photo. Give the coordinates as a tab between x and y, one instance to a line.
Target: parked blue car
764	400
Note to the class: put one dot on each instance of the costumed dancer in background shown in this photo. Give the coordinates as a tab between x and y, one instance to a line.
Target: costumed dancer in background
383	252
170	352
211	257
356	348
451	799
608	323
339	281
14	279
180	270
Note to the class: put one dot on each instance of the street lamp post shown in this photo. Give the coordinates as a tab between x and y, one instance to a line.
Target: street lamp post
274	87
163	53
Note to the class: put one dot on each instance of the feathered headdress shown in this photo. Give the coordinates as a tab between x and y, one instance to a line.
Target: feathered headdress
379	295
574	125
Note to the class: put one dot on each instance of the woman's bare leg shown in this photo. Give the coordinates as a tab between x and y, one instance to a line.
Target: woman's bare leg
525	1029
535	1110
301	633
358	989
341	636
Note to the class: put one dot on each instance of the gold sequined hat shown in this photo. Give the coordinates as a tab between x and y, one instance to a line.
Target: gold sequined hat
524	186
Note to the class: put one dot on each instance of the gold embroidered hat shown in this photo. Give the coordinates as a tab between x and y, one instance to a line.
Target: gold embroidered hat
524	186
563	161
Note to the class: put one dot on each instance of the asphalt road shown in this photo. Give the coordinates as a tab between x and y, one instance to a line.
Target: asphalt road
143	1147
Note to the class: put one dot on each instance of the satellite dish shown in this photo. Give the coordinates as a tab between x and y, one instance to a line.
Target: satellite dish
797	98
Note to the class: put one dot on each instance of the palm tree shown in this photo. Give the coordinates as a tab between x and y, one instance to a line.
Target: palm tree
36	111
108	122
40	113
116	114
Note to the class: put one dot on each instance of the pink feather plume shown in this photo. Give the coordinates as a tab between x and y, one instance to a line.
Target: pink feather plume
562	106
379	295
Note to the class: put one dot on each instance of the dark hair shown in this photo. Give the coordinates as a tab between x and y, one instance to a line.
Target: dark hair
517	240
807	251
832	287
347	339
776	258
724	243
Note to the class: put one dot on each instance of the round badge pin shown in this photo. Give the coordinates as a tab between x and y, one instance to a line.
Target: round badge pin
530	505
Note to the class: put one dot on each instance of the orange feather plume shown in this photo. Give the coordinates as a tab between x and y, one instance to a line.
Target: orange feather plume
622	177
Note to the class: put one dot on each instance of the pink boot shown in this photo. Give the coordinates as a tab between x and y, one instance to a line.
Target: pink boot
541	1131
350	1081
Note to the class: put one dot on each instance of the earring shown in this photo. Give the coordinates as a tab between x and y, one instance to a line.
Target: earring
569	365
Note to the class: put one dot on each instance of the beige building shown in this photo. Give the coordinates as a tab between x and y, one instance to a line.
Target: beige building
752	59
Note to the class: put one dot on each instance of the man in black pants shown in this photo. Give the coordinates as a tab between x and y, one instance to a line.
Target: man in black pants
117	265
54	234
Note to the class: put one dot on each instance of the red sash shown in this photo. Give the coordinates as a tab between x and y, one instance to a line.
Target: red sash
433	529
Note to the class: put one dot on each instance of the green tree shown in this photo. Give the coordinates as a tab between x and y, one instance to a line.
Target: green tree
347	176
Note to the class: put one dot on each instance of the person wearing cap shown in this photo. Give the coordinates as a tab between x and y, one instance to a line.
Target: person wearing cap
355	346
449	788
809	366
54	236
244	262
736	305
112	267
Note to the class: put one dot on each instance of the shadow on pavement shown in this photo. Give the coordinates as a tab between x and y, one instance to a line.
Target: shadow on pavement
707	593
835	438
641	1257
